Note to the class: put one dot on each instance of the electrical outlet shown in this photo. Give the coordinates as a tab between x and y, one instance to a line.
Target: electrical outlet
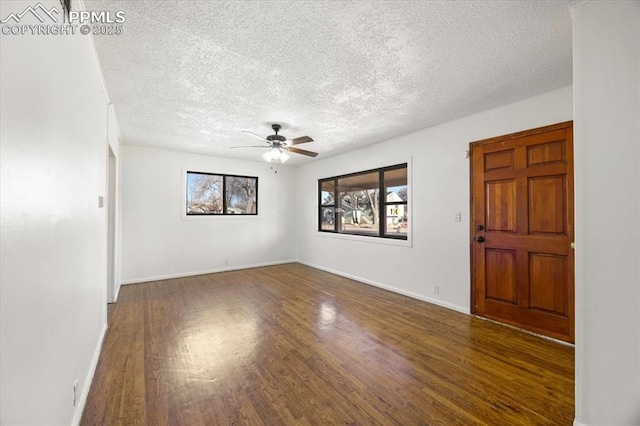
75	392
436	289
457	217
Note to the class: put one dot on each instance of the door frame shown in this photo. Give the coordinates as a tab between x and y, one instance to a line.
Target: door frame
111	224
472	221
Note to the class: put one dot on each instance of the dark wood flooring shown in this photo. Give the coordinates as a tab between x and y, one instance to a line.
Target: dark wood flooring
292	345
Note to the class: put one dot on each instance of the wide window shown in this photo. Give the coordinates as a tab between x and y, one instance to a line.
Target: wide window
216	194
372	203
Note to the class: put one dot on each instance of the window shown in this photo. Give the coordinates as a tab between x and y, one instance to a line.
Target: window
327	205
216	194
353	204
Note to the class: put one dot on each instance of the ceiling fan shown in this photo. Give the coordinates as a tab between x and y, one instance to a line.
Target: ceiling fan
278	145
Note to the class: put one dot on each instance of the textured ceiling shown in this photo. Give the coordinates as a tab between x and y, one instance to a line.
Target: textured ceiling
190	75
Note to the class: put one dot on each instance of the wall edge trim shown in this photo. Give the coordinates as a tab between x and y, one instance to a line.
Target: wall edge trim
86	386
117	293
576	3
203	272
410	294
96	60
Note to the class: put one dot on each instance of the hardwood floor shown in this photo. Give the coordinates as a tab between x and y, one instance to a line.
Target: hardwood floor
292	345
110	308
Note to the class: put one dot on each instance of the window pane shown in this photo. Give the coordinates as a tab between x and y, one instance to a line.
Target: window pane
328	219
241	195
395	182
204	193
397	219
327	195
358	197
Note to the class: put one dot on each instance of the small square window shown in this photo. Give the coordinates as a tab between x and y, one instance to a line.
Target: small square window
204	193
241	194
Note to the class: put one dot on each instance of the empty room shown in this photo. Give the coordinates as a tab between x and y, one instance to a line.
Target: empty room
320	212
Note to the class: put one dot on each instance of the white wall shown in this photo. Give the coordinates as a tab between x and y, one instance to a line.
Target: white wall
439	249
158	242
53	246
607	159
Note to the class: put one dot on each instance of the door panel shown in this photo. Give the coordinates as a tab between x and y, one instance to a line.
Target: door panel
501	206
546	153
547	205
498	160
548	278
522	230
501	276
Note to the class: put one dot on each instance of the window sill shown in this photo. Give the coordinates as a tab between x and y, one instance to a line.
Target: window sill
219	217
367	239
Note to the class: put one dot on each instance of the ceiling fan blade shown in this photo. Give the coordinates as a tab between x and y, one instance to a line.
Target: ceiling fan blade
249	146
253	134
302	151
301	139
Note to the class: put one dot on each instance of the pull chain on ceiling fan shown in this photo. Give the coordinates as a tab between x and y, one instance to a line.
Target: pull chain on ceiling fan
278	145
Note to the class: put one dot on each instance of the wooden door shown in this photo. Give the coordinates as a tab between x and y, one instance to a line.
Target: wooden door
522	230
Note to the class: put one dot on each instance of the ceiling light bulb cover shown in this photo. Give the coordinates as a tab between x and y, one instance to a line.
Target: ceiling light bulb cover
275	154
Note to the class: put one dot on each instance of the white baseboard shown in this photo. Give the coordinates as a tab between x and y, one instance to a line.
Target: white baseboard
577	423
209	271
77	416
390	288
115	297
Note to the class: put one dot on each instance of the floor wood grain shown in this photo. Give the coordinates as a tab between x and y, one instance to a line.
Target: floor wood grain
292	345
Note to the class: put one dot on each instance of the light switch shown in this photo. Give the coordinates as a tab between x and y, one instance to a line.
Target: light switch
100	201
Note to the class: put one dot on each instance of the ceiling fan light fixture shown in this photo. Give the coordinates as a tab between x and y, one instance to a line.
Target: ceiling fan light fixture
275	154
278	145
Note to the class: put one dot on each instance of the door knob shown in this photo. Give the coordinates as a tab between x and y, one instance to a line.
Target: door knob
480	228
480	239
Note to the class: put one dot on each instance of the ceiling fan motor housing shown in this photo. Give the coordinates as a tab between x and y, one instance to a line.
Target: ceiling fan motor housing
276	137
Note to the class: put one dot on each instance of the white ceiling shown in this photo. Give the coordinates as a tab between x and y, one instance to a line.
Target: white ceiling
190	75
